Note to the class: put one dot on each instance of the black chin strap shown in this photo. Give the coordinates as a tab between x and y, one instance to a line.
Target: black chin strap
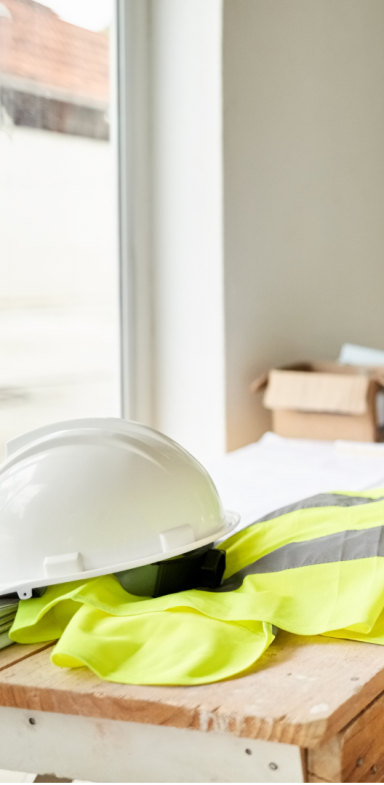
200	569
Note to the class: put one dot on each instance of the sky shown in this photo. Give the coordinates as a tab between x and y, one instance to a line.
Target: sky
92	14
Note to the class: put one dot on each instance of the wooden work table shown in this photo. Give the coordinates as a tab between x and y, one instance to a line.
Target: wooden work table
313	710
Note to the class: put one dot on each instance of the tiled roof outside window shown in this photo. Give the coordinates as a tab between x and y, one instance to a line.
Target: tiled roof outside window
37	47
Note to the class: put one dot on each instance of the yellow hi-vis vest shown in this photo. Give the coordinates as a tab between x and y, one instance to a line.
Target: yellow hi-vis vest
316	567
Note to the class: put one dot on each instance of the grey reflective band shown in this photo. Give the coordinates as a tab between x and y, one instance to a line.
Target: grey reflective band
321	500
339	547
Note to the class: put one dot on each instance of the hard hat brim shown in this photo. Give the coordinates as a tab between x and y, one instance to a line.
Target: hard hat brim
24	590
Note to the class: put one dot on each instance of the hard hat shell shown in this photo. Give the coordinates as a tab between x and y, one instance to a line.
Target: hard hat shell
89	497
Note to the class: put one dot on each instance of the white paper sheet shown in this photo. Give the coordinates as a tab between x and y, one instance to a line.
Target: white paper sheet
275	471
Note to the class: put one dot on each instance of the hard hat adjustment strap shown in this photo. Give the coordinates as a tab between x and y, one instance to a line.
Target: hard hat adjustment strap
201	569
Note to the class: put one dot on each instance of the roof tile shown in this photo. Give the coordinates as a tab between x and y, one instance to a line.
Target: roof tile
37	45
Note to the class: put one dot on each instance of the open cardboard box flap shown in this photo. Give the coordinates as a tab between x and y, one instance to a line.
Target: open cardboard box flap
314	392
318	387
261	381
377	374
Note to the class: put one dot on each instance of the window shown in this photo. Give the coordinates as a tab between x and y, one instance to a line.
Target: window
59	341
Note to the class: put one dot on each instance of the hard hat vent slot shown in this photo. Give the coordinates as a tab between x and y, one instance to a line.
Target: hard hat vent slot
178	537
65	564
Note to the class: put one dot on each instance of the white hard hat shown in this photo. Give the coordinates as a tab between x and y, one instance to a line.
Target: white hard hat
90	497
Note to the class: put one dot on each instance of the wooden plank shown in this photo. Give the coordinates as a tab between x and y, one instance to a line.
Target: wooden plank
324	762
303	691
101	750
16	653
356	754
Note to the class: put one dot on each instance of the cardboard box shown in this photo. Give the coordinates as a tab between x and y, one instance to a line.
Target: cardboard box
323	401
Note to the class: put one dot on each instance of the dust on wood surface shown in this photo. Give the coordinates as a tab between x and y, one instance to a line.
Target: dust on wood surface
303	691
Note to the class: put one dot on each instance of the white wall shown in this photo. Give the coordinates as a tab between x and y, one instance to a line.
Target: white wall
304	187
187	213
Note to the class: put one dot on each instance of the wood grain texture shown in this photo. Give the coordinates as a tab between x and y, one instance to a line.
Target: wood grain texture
356	754
304	691
16	653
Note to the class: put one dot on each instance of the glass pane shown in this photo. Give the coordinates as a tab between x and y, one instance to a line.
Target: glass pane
58	269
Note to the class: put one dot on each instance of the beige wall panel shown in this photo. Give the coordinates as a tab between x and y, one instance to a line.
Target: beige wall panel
303	187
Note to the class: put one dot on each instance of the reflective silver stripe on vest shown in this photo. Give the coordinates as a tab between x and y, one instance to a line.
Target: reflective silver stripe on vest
342	546
321	500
